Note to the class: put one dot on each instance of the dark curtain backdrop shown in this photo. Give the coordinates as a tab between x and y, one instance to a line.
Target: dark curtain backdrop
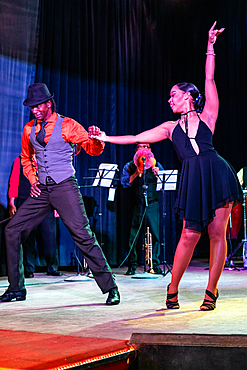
111	63
18	37
18	52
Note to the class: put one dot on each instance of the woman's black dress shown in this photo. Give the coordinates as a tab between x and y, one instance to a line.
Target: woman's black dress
207	181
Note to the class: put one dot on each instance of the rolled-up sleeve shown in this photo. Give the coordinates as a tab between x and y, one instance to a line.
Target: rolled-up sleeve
74	132
27	155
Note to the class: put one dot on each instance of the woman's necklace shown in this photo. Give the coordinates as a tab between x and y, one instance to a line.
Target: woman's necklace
186	125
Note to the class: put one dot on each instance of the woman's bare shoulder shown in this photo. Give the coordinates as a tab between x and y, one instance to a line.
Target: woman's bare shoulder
169	127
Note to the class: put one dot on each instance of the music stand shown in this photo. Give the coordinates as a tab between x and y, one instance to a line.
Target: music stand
229	262
80	276
104	178
167	180
244	241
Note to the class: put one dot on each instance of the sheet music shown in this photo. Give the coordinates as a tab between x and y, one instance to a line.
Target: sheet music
105	174
171	177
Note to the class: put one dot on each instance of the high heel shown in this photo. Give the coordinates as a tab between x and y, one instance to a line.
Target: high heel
171	304
209	305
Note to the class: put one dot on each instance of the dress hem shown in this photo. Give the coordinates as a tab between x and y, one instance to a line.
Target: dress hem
202	226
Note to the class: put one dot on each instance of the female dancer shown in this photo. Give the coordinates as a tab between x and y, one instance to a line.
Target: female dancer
208	184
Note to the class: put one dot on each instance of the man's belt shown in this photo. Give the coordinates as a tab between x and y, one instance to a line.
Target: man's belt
49	181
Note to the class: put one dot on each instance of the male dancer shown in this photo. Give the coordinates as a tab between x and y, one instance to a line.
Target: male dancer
51	137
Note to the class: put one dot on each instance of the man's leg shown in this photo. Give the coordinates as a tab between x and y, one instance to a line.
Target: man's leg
28	246
48	244
29	254
67	200
28	216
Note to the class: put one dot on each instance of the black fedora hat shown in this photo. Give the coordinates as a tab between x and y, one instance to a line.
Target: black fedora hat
36	94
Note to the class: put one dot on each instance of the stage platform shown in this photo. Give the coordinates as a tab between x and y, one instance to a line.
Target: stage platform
64	322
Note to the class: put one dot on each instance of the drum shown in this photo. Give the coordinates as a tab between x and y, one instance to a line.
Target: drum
235	221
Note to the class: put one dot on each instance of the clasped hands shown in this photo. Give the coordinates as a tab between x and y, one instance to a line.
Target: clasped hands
94	132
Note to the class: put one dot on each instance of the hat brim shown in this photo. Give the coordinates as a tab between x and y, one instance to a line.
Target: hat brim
30	103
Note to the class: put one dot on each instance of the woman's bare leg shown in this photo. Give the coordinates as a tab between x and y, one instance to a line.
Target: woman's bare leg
218	246
183	255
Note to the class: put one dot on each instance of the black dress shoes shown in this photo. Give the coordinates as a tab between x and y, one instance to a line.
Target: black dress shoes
29	275
9	296
55	273
113	297
131	271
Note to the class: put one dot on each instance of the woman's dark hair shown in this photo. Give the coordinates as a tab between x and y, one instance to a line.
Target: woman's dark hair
198	98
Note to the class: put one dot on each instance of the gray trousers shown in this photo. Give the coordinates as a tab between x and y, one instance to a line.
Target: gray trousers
67	200
45	237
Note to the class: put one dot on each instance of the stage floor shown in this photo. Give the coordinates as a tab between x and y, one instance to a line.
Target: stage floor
63	306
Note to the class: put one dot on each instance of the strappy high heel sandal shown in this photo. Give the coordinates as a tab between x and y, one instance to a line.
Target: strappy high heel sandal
209	305
171	304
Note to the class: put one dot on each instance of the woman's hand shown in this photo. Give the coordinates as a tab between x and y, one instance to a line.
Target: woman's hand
214	33
210	111
95	133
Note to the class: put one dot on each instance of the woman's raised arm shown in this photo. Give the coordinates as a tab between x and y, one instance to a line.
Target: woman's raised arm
210	111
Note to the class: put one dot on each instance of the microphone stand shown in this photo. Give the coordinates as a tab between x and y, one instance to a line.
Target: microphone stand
145	196
163	233
145	274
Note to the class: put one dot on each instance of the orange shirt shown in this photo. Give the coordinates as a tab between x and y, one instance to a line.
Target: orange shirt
72	132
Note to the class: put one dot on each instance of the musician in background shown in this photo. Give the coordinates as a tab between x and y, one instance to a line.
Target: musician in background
132	177
242	177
